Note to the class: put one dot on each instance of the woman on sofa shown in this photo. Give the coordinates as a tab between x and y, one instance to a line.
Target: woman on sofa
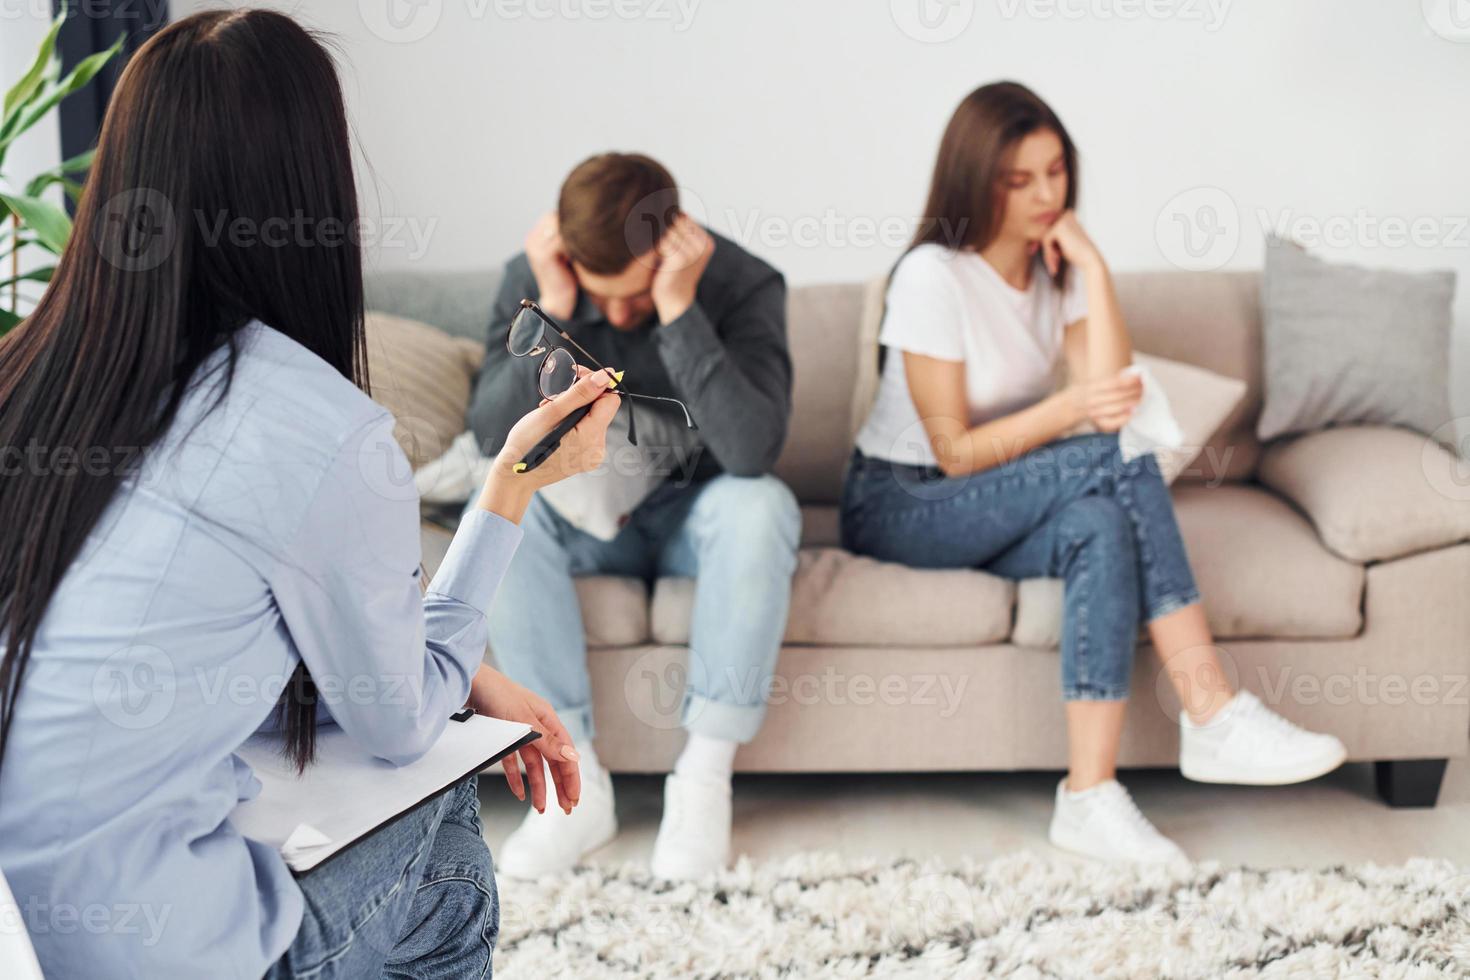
208	531
965	462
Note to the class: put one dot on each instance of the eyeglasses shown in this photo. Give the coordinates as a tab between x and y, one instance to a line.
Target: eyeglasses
531	333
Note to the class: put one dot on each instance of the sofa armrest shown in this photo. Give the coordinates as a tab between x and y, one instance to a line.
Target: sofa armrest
1374	492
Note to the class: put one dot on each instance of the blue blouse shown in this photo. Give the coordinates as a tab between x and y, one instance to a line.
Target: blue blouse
280	527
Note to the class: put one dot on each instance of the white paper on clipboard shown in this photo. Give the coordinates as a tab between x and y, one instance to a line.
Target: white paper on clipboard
346	794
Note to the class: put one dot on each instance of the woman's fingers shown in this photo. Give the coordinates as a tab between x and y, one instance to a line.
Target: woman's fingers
512	767
562	756
536	776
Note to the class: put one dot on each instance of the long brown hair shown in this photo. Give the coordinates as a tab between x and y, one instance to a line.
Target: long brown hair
964	209
224	116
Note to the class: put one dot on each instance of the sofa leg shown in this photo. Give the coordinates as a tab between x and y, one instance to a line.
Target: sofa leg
1409	782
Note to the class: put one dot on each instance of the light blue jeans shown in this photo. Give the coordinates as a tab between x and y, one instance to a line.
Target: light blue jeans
1071	509
737	537
415	900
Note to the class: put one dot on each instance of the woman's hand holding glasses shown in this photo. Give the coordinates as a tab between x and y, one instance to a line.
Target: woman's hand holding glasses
508	492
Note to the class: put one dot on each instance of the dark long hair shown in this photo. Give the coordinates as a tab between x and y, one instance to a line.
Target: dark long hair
224	121
964	206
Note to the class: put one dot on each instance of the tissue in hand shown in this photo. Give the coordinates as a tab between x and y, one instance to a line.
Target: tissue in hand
1152	425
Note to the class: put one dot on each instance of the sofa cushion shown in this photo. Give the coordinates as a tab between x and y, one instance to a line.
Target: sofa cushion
1344	343
1260	568
614	610
1213	320
457	302
424	377
839	598
1373	492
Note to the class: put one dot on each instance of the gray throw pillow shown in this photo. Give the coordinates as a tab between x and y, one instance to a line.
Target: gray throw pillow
1349	344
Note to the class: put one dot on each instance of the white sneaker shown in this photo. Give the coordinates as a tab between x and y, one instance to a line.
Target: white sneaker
552	842
1246	742
694	836
1102	822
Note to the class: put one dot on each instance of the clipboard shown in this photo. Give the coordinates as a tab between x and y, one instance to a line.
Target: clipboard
347	795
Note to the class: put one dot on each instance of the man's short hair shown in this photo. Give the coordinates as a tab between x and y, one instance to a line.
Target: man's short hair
613	208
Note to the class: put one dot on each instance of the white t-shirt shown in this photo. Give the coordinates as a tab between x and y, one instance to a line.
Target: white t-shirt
954	306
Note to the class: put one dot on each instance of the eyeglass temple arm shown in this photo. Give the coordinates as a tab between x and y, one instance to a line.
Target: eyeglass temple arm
688	419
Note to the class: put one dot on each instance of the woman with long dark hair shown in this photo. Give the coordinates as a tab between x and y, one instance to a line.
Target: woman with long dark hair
964	462
206	530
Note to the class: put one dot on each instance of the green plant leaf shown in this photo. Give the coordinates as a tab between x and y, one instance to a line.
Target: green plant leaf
50	223
57	175
25	89
79	76
35	275
7	321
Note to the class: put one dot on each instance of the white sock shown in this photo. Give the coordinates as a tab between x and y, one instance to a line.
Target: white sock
707	759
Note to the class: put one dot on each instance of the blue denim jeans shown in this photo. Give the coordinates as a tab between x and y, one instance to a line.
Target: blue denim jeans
1071	509
415	900
737	537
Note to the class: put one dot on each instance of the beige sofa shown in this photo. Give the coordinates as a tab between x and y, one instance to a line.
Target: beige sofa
1334	566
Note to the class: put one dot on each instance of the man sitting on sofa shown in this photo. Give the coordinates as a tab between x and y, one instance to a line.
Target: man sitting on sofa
688	315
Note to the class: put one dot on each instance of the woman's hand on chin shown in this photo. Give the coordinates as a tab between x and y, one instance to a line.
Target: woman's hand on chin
1065	239
507	492
494	694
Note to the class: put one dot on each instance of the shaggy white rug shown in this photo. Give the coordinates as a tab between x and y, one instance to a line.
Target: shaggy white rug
1020	916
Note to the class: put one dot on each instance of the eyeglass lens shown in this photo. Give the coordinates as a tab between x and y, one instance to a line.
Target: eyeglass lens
527	332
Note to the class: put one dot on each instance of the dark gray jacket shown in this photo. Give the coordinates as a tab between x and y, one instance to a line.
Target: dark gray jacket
726	358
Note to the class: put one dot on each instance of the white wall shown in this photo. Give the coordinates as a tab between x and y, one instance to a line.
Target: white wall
807	129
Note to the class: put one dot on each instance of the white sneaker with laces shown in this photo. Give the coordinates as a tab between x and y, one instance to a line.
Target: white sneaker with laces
694	835
1102	822
552	842
1248	743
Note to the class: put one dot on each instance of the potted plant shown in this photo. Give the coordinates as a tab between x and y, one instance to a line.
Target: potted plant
27	220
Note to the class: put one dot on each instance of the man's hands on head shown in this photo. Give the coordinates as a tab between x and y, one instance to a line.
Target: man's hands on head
682	254
494	694
507	492
551	266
